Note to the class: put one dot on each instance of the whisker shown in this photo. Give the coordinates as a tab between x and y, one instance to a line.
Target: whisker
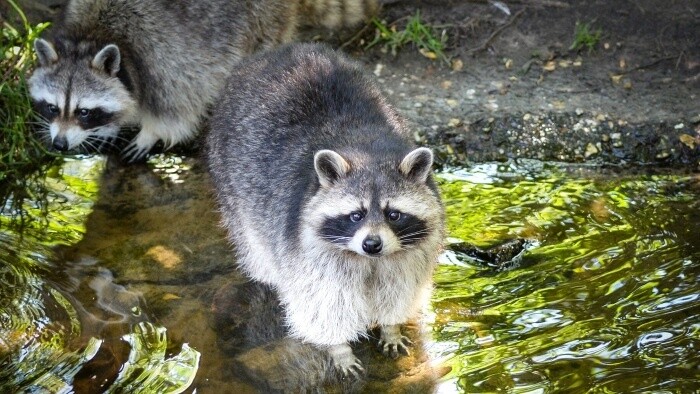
410	228
417	232
415	235
89	142
120	138
336	238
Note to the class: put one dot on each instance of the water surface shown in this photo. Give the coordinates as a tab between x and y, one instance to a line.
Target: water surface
608	301
121	280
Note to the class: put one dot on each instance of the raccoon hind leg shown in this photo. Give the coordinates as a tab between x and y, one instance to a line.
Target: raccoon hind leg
392	342
345	362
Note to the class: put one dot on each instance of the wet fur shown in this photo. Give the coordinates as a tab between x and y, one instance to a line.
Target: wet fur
174	57
278	110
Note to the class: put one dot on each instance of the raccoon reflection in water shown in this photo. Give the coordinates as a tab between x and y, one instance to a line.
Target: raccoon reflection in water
326	198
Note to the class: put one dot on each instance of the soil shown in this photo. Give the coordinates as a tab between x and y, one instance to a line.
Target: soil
521	92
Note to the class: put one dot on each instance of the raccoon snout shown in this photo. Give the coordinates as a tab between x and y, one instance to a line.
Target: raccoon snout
60	143
372	244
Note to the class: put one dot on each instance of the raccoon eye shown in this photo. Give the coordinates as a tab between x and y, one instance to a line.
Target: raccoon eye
394	215
84	112
52	108
356	217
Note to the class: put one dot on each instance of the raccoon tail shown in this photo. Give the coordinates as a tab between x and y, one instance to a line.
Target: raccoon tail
337	14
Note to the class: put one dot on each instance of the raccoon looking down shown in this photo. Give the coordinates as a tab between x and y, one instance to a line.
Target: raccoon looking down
157	64
325	197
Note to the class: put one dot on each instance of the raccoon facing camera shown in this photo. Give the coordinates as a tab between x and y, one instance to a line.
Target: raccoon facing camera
156	65
326	198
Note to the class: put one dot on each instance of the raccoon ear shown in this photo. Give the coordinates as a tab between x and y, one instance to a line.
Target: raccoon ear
45	52
417	165
330	167
107	60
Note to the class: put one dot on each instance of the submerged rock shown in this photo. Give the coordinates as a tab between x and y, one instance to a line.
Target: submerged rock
506	255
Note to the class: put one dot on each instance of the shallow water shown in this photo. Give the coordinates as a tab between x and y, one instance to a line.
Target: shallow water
609	301
122	281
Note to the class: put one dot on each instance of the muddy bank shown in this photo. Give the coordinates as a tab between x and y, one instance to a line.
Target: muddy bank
516	89
568	138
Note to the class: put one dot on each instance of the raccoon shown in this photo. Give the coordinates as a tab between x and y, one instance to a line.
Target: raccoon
325	197
157	64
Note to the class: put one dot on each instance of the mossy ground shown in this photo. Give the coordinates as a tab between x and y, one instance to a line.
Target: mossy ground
21	152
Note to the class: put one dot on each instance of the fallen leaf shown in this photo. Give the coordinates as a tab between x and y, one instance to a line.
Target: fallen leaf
550	66
454	122
558	104
429	54
590	150
688	140
170	296
616	79
457	65
166	257
501	6
508	64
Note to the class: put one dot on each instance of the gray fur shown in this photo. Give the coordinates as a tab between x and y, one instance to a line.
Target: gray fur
45	53
301	136
171	59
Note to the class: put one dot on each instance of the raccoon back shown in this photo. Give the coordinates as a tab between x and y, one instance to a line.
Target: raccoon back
176	46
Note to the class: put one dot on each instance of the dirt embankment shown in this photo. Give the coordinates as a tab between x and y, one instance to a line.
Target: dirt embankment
515	89
522	92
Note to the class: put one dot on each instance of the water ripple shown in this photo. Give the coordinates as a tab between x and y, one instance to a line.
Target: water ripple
608	302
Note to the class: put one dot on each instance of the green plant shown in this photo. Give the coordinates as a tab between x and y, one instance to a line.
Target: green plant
415	32
20	151
585	37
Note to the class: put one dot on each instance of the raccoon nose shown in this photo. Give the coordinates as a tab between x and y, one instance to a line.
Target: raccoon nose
60	143
372	245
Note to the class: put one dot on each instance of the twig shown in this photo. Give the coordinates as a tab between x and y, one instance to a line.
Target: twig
535	3
496	32
367	26
355	37
544	3
678	62
694	78
643	66
570	91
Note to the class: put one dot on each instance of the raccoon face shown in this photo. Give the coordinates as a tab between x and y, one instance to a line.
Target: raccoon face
375	212
79	96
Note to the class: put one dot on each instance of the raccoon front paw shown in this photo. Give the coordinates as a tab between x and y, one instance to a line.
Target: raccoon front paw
133	153
139	147
392	343
345	362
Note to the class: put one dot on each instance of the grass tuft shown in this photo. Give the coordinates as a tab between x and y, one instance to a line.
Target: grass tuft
416	32
585	37
20	150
